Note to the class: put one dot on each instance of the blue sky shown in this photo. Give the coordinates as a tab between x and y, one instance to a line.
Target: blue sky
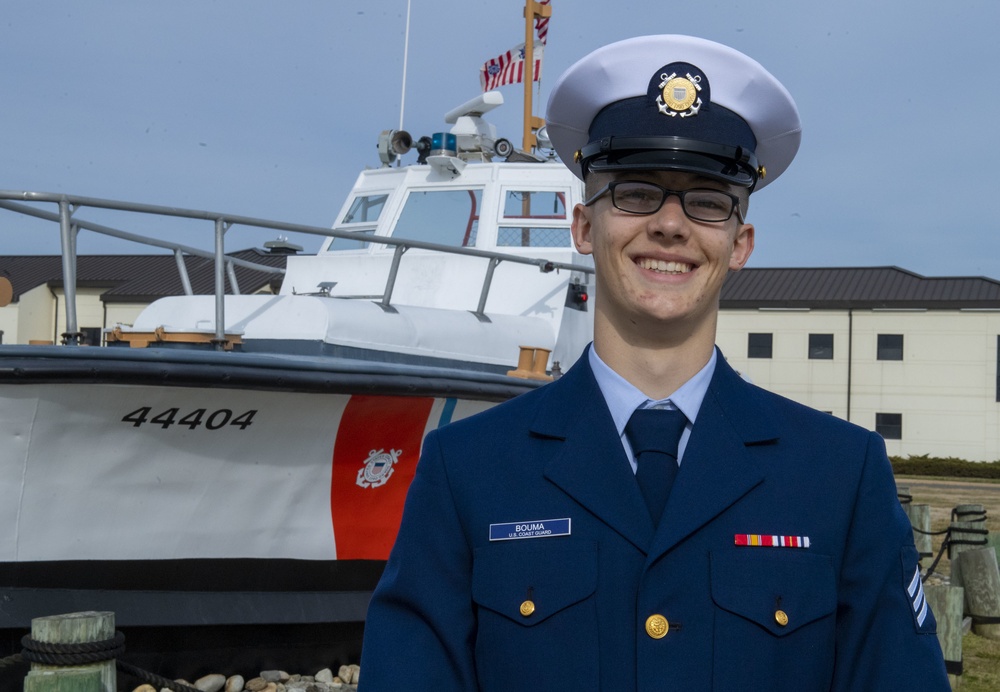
270	109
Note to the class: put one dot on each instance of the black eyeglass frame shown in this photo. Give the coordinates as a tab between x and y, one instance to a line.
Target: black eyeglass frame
667	193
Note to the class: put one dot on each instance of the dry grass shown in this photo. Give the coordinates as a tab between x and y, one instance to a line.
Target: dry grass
981	657
981	664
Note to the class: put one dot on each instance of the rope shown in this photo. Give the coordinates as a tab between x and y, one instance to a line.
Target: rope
11	661
155	680
977	514
52	654
930	570
965	541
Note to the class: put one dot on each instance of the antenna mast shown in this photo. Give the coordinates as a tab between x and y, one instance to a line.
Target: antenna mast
532	11
406	55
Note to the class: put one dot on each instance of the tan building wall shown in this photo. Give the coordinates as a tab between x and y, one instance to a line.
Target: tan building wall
40	314
944	388
8	323
35	316
122	313
89	310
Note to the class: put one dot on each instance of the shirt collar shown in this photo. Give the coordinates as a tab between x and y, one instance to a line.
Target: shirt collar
624	398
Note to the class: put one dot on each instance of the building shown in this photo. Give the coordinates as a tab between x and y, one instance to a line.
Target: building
914	358
111	289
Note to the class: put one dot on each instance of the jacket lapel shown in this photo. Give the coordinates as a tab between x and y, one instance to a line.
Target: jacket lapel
717	468
591	466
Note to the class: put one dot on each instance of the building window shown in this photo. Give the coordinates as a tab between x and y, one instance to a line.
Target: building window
821	346
889	425
91	336
759	345
890	347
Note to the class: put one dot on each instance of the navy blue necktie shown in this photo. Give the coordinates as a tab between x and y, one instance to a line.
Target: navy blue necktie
654	434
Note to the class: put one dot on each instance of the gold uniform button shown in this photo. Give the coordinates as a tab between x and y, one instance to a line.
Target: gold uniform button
781	617
657	626
527	608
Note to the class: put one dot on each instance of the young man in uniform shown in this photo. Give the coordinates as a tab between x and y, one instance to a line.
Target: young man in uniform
651	521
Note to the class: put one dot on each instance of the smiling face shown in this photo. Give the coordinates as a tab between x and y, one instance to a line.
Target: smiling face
659	276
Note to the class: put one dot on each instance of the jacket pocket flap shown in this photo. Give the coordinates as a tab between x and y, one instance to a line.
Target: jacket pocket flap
780	591
531	580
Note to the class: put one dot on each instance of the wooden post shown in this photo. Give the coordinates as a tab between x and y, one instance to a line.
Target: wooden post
920	518
982	589
74	628
68	680
993	540
965	535
971	513
947	602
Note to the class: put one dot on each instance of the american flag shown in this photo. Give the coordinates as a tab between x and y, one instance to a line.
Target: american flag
542	25
508	68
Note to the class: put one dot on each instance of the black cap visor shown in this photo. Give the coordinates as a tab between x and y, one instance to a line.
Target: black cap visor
734	165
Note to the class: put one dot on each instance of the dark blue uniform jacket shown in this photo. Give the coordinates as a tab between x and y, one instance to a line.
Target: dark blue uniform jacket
447	614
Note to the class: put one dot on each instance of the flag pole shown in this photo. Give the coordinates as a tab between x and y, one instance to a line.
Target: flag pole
532	11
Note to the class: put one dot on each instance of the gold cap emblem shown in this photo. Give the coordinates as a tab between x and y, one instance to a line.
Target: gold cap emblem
679	94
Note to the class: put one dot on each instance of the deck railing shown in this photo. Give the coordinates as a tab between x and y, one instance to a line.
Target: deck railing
69	227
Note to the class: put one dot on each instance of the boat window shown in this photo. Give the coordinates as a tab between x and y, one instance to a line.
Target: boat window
365	209
445	217
351	243
520	236
534	204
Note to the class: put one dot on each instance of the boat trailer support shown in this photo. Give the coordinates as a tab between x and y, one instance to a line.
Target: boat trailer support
67	233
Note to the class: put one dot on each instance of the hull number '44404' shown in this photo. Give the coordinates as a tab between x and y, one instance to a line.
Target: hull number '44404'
215	420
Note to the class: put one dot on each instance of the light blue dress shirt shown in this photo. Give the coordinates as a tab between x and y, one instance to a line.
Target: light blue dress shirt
624	398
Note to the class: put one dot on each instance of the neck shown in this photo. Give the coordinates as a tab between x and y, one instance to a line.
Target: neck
655	361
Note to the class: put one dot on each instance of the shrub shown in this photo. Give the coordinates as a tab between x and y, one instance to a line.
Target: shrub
925	465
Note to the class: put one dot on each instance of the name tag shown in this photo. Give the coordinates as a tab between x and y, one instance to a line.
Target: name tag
537	528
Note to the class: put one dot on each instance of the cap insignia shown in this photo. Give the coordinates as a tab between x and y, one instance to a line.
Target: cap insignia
679	95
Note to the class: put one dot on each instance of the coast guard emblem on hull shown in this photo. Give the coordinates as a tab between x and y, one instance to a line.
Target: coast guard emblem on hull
679	95
377	468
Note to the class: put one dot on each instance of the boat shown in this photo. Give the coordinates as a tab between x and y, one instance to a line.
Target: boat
227	473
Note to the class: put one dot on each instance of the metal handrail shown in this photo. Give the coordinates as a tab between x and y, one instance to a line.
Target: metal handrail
69	227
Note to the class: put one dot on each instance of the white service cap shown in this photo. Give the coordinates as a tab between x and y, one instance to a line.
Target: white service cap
673	102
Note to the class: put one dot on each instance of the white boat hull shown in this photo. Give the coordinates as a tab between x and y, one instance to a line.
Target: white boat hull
118	472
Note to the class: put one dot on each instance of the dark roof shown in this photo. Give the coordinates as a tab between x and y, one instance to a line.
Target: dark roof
855	287
144	278
136	278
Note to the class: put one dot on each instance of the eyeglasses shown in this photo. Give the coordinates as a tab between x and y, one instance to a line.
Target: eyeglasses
700	204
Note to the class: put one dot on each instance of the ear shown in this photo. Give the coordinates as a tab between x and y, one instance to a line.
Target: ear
742	247
581	230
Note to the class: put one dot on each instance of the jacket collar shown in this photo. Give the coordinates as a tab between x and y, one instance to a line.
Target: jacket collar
717	469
